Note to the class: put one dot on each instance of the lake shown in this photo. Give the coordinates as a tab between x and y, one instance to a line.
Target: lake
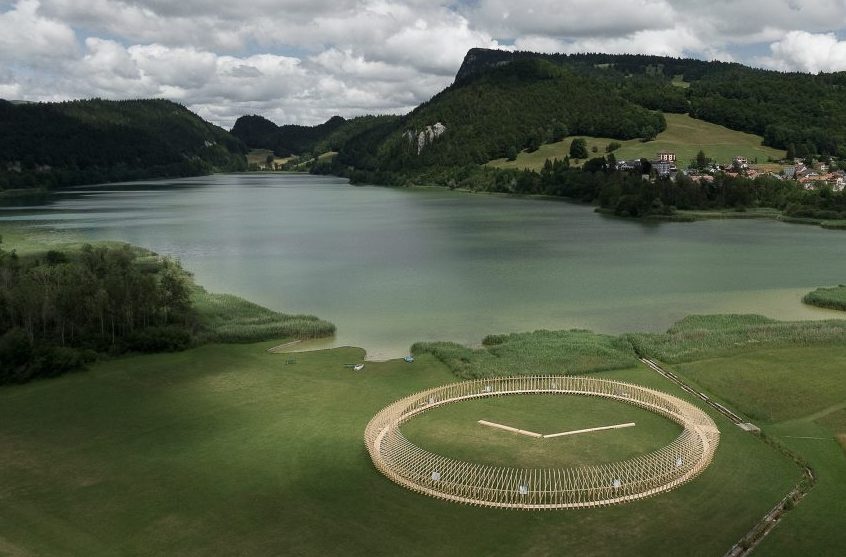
392	266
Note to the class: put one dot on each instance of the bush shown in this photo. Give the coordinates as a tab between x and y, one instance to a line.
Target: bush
159	339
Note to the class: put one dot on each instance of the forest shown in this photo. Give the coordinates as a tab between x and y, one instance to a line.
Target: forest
54	145
61	309
258	132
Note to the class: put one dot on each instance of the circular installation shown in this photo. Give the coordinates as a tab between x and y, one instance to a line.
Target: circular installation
542	488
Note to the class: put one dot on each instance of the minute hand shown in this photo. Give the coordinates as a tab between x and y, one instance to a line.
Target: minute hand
577	431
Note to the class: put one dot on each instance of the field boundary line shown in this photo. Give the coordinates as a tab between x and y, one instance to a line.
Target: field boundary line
769	521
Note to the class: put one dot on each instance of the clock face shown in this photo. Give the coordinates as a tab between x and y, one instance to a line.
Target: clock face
540	430
610	451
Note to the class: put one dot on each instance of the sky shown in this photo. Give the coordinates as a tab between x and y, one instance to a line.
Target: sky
296	61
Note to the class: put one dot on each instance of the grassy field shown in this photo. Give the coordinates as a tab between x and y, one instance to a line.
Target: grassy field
453	431
229	450
798	396
684	136
259	157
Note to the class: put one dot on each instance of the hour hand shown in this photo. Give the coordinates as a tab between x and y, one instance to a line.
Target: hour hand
509	428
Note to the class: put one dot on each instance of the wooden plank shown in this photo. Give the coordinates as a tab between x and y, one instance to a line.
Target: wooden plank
512	429
578	431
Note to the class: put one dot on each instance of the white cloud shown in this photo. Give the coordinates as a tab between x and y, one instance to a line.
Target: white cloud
298	61
574	18
807	52
26	36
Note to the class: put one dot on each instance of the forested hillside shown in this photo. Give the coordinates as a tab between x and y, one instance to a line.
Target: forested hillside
258	132
51	145
803	113
494	113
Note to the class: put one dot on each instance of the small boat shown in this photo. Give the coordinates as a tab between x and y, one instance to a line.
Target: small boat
409	358
358	367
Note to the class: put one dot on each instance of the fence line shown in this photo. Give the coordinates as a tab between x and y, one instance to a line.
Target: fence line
541	488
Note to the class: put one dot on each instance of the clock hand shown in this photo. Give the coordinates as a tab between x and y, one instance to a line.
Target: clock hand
577	431
509	428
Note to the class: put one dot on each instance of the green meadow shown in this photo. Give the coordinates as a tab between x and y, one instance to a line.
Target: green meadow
684	136
231	450
797	395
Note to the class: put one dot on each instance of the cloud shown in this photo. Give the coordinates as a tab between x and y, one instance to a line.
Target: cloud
26	36
297	61
807	52
573	18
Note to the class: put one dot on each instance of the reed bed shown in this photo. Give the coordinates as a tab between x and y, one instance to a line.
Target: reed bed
227	318
701	336
832	298
540	352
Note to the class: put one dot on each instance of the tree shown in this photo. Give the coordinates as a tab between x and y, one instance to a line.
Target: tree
701	160
578	148
559	131
511	153
791	152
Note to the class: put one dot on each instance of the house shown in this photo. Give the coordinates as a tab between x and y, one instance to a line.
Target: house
740	162
665	165
628	165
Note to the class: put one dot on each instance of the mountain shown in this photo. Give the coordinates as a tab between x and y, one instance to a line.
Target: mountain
52	145
488	114
503	102
258	132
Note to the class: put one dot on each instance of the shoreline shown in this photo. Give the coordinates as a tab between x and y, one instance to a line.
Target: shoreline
681	216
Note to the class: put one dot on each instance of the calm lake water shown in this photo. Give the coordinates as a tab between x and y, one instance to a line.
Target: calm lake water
390	267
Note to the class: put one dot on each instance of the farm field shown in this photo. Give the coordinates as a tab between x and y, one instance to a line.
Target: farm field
798	396
684	136
233	450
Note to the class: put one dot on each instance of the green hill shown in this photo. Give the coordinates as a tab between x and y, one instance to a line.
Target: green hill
684	136
524	104
53	145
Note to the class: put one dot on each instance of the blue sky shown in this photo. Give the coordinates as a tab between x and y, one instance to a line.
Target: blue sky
304	61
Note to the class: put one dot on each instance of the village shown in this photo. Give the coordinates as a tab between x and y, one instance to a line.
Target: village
811	175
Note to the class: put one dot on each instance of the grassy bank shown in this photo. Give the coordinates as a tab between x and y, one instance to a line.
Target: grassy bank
226	449
832	298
